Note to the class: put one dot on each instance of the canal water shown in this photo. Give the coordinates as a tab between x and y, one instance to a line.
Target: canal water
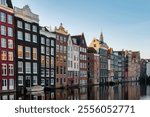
128	91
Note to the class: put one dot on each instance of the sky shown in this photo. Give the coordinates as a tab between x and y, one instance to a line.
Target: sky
125	23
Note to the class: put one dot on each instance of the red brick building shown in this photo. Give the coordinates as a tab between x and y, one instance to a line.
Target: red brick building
7	67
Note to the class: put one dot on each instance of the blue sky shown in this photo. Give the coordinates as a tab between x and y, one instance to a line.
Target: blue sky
124	23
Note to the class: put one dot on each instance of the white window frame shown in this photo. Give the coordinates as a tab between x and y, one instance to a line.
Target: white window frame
20	66
4	69
28	67
20	78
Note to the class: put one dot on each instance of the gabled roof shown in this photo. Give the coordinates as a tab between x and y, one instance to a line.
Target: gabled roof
80	39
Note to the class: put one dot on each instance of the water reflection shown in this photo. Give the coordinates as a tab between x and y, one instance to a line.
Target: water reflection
129	91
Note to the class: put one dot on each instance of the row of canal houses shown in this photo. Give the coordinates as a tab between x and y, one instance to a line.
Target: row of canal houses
34	56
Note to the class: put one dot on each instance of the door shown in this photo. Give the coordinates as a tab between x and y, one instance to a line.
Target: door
28	81
4	84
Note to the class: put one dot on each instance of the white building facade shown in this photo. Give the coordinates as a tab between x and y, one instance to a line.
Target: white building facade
73	62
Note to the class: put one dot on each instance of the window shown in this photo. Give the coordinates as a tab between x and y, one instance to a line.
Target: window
10	44
9	19
11	84
28	67
20	51
20	35
52	72
47	72
3	30
34	80
42	81
3	55
64	70
65	50
27	26
42	72
34	38
47	62
4	86
20	80
47	51
27	37
35	68
65	39
61	49
42	40
61	70
10	56
19	24
61	39
10	32
52	62
42	61
52	81
57	48
52	51
47	42
20	67
11	70
34	28
42	49
34	53
28	52
2	17
4	69
3	42
52	42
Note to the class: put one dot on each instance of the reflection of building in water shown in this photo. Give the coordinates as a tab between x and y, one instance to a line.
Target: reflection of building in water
133	92
61	94
93	93
103	93
143	90
50	95
73	94
83	93
110	93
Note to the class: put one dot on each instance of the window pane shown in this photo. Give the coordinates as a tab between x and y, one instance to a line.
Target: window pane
11	70
28	67
28	52
34	28
3	42
27	26
10	56
20	51
35	68
10	32
20	80
34	53
34	38
2	17
20	35
9	18
34	80
3	30
27	37
19	24
4	69
3	55
10	44
20	67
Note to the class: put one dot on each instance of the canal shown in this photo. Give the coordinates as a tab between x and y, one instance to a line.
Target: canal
128	91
